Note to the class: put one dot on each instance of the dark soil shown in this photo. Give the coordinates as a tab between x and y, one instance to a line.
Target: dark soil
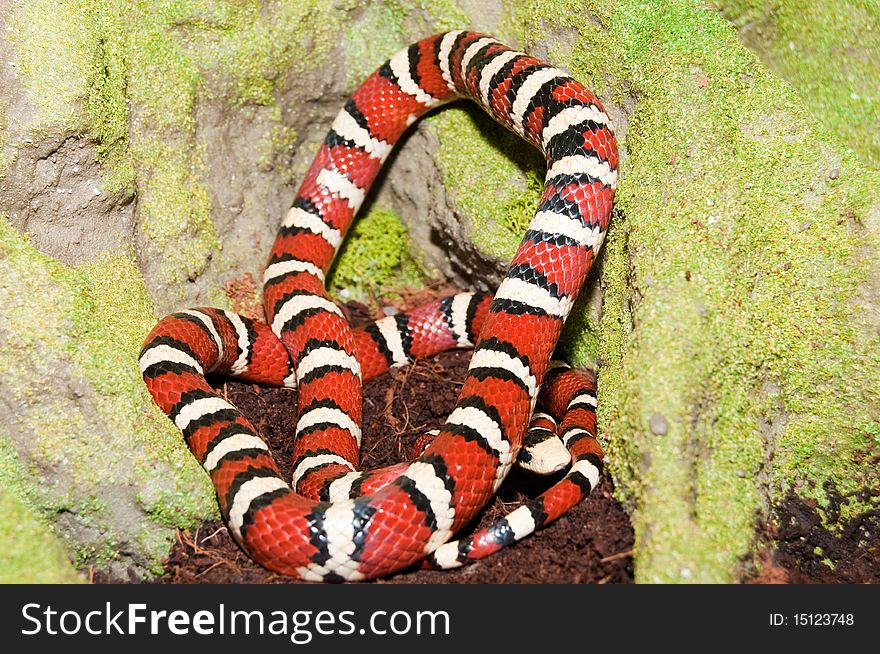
592	544
803	551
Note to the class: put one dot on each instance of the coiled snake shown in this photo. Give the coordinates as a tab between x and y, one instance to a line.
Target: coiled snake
337	523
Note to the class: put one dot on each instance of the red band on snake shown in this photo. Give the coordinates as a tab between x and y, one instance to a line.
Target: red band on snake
338	524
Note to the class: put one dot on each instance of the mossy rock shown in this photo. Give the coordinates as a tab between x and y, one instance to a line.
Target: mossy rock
83	444
828	51
29	552
739	332
734	318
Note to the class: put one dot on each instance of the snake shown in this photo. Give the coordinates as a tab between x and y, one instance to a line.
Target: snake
332	522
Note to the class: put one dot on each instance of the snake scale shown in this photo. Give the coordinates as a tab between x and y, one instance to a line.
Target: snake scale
332	522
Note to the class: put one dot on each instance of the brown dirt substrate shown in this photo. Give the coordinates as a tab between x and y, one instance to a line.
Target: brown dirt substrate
592	544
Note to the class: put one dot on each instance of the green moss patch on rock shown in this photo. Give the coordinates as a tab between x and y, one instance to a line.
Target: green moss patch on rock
69	56
829	52
55	57
30	553
97	458
375	254
737	351
372	39
5	157
181	52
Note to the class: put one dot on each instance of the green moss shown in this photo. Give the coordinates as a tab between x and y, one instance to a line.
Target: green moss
131	74
70	55
429	16
374	255
829	51
55	57
106	101
280	140
112	317
5	159
242	52
731	292
176	207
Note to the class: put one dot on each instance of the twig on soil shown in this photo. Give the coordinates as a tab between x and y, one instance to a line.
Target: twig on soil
615	557
217	565
219	530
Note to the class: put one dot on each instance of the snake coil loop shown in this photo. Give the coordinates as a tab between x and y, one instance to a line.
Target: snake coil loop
336	523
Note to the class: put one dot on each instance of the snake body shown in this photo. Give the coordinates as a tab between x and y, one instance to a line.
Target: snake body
336	523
